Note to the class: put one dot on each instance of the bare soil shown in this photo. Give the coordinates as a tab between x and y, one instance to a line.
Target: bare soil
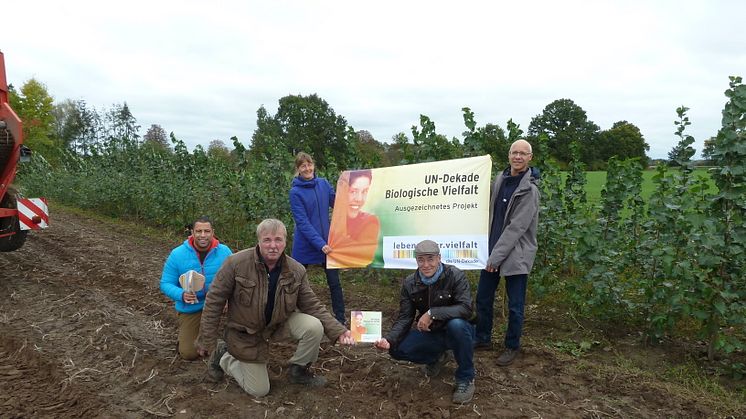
85	332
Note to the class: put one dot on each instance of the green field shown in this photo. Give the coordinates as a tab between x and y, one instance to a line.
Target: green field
597	179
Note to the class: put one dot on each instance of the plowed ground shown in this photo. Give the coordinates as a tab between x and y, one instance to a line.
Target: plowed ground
85	332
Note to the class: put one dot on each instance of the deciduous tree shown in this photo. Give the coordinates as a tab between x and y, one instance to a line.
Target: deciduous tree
489	139
218	150
121	126
431	146
400	150
35	107
303	123
564	122
623	140
77	126
368	152
709	149
682	153
156	136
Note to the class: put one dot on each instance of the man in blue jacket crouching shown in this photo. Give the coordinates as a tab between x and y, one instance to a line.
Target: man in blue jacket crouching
204	254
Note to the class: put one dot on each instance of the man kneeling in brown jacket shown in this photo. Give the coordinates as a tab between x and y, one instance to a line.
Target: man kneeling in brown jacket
268	293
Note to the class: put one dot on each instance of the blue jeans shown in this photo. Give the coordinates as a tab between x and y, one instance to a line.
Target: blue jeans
515	289
335	290
426	347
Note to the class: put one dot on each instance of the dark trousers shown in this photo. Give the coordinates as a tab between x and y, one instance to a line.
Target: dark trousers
335	291
515	289
426	347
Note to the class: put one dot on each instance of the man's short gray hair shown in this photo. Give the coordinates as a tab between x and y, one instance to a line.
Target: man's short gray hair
523	141
269	226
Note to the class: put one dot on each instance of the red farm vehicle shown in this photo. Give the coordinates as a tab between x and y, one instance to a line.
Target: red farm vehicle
17	214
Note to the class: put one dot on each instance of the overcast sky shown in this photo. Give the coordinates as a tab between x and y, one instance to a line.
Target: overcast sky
202	69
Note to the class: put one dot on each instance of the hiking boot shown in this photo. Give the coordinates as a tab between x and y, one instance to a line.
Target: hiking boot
213	367
507	357
464	392
482	346
433	370
299	374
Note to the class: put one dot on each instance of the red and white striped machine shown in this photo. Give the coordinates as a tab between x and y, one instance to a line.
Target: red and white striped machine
17	214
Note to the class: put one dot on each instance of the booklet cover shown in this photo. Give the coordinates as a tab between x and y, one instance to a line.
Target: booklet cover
192	281
366	325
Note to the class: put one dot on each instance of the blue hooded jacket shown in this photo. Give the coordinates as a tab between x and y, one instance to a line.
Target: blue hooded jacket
310	201
185	258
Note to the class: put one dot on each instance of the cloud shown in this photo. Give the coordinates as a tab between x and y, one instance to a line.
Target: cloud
203	70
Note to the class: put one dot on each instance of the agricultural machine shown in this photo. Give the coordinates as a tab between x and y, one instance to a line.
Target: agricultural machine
17	214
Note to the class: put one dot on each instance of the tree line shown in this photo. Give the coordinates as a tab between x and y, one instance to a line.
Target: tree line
309	123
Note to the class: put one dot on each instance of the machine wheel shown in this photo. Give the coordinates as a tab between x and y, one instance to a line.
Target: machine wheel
10	224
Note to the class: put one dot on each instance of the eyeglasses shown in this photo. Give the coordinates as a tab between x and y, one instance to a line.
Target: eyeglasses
519	153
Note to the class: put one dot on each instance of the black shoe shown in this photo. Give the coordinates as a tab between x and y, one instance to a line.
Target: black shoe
299	374
213	367
433	370
482	346
507	357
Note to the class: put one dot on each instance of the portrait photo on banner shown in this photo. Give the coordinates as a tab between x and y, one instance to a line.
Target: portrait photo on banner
381	214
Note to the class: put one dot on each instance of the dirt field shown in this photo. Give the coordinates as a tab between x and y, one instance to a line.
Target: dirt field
85	332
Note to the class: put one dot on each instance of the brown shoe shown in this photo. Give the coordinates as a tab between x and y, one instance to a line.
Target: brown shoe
507	357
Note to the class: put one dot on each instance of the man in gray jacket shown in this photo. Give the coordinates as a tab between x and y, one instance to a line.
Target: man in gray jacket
514	216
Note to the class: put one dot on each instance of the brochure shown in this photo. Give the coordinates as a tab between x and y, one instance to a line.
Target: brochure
366	325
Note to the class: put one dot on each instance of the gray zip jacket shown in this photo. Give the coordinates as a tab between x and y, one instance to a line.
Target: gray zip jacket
515	250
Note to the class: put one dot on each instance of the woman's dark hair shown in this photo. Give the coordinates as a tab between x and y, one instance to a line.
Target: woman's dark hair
361	173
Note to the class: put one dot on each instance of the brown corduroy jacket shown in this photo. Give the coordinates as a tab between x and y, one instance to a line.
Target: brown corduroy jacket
243	281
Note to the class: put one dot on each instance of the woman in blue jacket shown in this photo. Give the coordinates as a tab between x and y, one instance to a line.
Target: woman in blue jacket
310	200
